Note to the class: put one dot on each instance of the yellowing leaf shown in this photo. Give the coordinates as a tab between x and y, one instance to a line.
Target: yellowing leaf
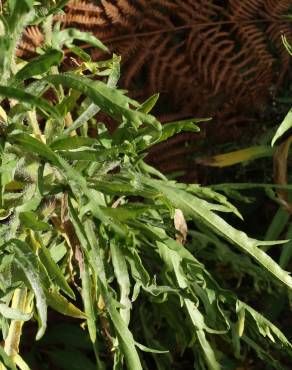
238	156
62	305
3	114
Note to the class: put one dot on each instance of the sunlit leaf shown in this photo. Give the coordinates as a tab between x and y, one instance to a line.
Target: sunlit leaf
284	127
149	104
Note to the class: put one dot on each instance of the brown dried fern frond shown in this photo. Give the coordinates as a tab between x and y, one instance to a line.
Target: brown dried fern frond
204	57
183	47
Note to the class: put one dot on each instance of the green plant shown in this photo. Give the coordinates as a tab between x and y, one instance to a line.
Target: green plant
93	232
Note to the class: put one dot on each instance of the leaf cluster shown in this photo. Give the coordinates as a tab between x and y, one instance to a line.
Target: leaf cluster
89	230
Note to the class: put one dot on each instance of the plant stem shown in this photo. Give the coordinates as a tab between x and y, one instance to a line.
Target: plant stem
11	346
21	363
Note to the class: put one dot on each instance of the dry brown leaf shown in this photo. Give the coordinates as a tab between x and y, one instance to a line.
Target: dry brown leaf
181	226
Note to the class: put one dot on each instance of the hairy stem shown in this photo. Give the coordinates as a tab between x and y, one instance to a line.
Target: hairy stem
47	27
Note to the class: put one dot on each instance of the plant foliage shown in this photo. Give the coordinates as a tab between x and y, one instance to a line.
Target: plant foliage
90	231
